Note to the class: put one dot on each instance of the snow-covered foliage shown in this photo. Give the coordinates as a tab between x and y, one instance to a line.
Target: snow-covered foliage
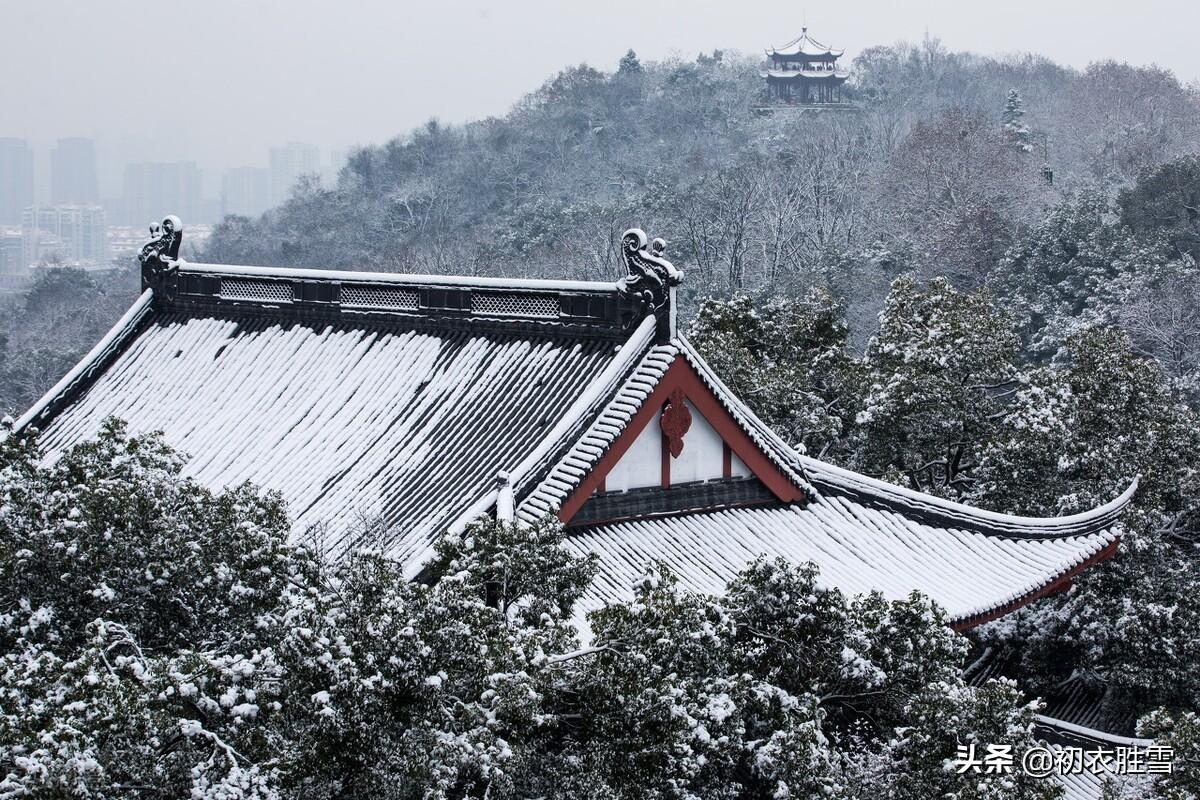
1181	733
159	640
787	358
1015	130
948	405
928	389
1068	274
140	618
780	689
1071	438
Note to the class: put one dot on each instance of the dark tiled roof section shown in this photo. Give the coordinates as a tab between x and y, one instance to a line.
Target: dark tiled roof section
1076	701
350	420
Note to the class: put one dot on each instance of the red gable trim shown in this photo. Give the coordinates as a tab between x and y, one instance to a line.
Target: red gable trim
680	375
1054	587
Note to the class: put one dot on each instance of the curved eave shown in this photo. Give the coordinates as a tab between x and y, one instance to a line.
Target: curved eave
871	491
1053	586
973	577
787	53
90	365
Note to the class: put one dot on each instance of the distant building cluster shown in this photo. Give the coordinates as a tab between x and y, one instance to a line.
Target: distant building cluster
68	234
70	221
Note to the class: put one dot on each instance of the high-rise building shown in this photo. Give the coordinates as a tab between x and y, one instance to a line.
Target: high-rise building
16	179
73	234
14	272
337	160
153	190
73	172
245	191
288	164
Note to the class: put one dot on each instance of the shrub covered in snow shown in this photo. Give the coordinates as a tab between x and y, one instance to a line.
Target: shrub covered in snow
158	640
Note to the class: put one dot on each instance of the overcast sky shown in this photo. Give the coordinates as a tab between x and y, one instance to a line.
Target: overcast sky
219	81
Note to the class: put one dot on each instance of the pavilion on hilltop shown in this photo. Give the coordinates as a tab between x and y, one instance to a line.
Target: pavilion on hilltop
805	72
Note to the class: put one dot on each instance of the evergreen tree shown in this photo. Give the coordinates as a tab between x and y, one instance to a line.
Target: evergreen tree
787	359
929	385
1166	200
1070	272
1015	130
1073	439
629	65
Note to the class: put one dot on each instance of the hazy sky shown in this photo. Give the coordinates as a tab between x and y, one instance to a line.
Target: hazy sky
219	81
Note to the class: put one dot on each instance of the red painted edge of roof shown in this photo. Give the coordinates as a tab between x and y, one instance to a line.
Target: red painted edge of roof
1055	585
682	375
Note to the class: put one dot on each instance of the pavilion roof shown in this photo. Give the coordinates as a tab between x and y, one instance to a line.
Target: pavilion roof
804	46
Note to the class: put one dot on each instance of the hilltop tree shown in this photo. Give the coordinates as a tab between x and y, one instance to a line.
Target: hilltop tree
1015	130
629	65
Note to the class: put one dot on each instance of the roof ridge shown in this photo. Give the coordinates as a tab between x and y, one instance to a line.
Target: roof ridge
840	480
351	276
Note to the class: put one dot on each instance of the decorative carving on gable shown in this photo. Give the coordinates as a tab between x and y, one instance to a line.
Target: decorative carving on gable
675	421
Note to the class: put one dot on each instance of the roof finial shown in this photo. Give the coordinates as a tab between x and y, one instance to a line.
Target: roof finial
651	280
162	251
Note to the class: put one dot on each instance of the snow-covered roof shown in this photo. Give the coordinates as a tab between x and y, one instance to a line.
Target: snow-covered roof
803	46
807	74
857	548
361	398
399	400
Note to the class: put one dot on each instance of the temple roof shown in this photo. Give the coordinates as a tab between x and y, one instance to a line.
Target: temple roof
410	405
803	46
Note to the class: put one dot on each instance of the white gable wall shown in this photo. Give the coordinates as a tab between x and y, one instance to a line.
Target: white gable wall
642	463
740	470
703	452
702	458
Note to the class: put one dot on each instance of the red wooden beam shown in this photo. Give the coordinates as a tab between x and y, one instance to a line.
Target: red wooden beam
1055	586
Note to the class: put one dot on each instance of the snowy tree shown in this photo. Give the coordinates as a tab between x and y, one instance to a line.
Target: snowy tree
1016	132
787	358
1166	200
137	612
929	385
784	688
1071	440
630	65
1071	271
1161	312
945	716
1181	733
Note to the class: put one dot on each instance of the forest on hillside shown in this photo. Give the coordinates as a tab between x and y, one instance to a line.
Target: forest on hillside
949	165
